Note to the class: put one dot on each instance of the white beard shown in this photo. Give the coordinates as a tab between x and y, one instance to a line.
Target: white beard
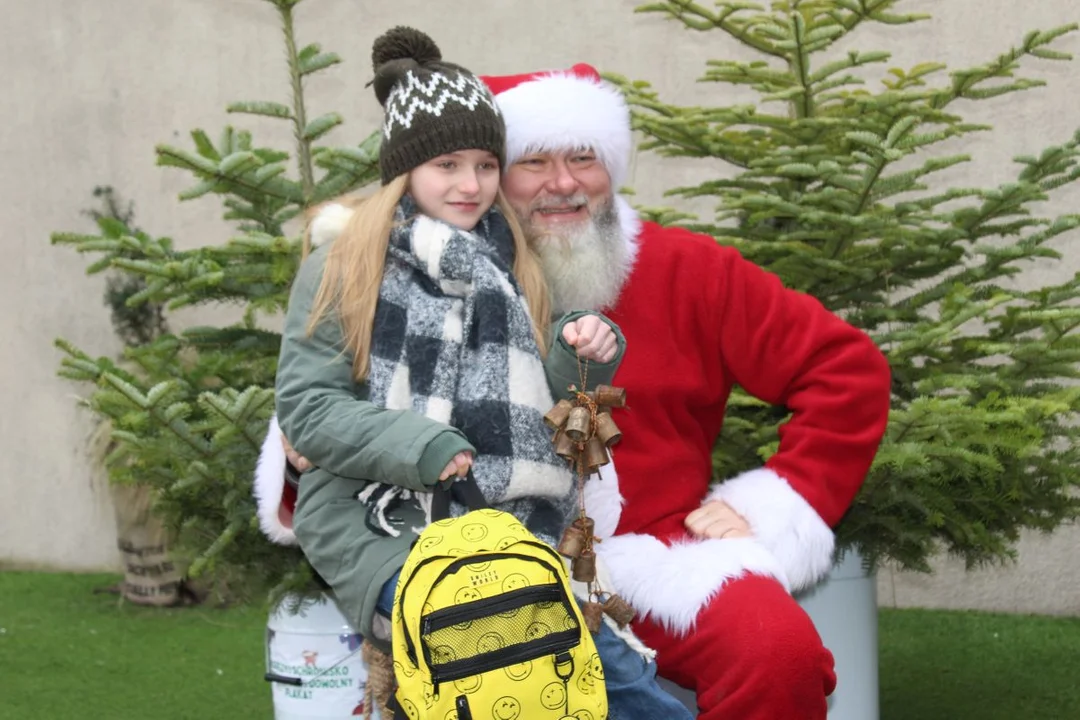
585	267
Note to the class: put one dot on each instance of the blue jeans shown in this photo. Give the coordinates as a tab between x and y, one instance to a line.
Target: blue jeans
384	605
632	691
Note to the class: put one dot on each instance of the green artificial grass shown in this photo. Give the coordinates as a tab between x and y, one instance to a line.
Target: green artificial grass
938	665
66	652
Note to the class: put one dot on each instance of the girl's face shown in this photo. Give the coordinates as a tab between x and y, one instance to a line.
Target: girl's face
457	188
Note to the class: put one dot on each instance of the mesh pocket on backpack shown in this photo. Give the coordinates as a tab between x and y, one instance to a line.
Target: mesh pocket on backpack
486	634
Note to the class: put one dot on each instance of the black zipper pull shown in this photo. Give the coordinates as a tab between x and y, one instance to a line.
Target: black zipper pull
461	703
565	658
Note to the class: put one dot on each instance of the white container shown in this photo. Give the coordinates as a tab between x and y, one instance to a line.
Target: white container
844	610
313	662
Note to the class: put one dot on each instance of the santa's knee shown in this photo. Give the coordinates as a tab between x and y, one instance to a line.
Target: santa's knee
766	631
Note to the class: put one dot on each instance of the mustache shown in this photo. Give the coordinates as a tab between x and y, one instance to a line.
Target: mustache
558	201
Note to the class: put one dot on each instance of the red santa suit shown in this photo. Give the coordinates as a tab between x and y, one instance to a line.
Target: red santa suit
699	319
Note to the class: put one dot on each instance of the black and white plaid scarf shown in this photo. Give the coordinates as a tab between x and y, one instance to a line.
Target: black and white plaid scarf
453	341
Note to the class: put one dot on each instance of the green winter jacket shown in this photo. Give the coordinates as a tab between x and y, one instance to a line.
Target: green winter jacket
325	414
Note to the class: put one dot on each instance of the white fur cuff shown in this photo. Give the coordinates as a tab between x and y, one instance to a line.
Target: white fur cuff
269	486
783	522
672	584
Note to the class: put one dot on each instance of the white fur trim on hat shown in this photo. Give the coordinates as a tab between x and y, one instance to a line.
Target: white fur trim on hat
563	111
269	486
783	522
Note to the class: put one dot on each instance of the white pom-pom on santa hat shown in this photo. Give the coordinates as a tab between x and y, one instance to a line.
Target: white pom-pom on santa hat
329	222
565	110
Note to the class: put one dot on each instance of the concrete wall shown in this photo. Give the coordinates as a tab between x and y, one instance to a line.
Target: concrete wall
92	87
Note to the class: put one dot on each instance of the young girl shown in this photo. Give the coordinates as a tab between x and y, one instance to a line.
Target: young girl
414	345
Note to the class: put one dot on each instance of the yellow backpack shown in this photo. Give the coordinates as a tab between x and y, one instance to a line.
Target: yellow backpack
485	627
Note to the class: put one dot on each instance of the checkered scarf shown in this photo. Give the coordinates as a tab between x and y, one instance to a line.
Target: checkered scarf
453	340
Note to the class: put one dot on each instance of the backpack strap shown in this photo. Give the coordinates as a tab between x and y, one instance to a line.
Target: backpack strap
465	491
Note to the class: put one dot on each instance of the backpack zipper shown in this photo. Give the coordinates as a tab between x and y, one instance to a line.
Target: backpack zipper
490	606
558	643
410	647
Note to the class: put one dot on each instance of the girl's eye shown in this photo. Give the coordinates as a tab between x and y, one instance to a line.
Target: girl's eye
489	166
447	165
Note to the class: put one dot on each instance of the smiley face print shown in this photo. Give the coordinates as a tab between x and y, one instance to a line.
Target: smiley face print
474	532
586	684
519	671
429	543
410	710
506	708
468	686
537	630
489	642
595	668
467	595
442	654
514	581
553	696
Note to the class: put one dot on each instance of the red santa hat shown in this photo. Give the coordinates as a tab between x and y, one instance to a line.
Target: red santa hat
565	109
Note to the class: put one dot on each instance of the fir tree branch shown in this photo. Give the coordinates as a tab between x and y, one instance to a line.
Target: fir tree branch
243	184
799	62
696	17
300	124
965	82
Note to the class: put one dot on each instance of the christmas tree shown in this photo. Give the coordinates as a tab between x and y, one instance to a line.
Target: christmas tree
189	410
833	181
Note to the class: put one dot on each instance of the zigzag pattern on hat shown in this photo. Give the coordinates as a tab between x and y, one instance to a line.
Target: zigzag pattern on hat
413	95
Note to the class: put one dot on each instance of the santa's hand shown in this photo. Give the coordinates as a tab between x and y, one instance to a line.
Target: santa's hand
295	459
716	519
458	466
592	338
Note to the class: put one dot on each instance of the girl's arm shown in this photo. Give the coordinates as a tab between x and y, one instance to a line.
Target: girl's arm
325	415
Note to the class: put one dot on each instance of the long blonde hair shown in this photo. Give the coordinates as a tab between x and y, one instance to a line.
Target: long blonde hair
356	259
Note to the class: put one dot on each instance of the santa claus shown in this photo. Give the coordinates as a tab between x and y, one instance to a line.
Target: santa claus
709	566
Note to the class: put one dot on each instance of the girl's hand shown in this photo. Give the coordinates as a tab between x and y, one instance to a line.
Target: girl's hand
592	338
297	460
458	466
